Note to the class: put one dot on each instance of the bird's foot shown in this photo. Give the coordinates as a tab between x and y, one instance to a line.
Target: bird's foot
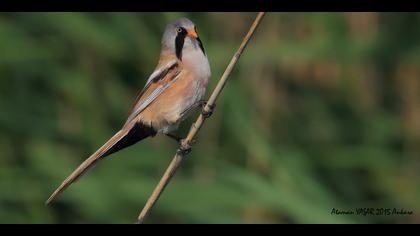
184	147
208	113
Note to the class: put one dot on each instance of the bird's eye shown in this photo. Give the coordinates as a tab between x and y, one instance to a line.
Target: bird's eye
179	29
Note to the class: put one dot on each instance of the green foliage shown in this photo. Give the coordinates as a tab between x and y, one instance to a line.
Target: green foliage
321	112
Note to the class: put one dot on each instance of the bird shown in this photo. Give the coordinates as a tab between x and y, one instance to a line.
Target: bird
174	89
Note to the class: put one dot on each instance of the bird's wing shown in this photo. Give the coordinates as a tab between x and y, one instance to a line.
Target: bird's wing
159	73
158	82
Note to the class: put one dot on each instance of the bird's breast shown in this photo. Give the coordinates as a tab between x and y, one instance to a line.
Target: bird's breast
178	101
197	63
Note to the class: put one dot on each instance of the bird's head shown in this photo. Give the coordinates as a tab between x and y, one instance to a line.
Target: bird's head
181	37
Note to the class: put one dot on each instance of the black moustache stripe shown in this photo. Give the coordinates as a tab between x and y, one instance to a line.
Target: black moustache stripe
179	43
201	45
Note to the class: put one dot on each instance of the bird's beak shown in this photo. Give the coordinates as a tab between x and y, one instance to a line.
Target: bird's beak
192	34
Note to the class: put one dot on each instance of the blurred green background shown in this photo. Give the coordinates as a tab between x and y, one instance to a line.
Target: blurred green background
322	111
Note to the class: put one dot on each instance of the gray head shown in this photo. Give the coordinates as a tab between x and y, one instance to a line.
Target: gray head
180	37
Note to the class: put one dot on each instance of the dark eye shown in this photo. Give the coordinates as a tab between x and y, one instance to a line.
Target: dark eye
179	29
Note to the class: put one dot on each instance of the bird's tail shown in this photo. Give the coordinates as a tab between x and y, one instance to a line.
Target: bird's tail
123	138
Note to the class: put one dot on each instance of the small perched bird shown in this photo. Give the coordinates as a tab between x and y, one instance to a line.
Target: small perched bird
173	90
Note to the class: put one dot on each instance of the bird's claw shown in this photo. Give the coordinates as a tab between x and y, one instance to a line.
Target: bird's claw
184	147
208	113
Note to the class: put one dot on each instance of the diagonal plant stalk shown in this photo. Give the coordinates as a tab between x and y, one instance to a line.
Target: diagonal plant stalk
179	156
